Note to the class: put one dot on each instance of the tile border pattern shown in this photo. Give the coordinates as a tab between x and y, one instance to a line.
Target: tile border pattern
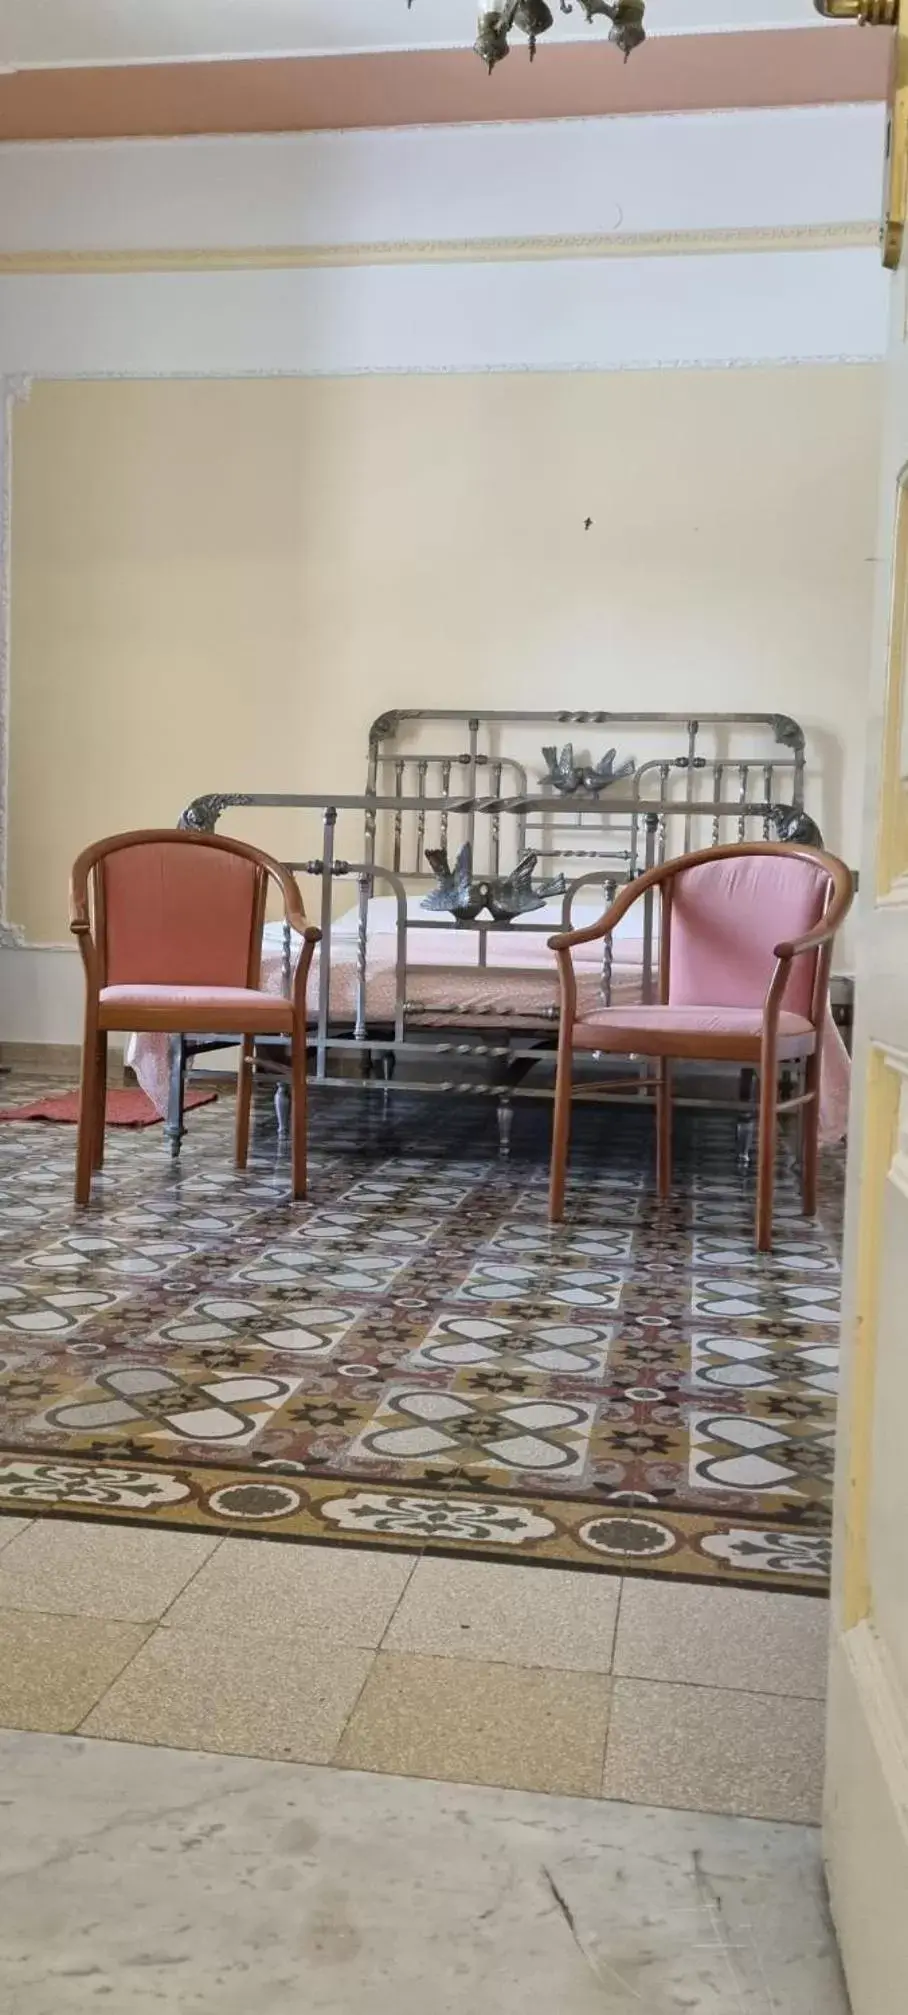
735	1552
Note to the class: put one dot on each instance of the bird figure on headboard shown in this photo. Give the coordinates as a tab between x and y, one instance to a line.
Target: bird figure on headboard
794	827
583	779
504	896
456	892
512	895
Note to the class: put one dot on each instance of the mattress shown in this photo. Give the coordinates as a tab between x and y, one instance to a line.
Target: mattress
446	987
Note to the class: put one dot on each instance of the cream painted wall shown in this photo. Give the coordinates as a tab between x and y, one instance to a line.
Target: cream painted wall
218	584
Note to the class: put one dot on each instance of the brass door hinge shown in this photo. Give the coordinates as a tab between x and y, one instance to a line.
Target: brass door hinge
887	14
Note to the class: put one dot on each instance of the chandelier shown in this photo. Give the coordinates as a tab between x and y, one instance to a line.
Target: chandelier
534	18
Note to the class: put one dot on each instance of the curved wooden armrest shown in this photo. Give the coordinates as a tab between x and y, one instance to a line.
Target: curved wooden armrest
294	913
310	933
564	941
311	936
79	913
80	925
812	941
824	932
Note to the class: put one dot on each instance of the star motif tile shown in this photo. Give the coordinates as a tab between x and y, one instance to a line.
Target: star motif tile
414	1353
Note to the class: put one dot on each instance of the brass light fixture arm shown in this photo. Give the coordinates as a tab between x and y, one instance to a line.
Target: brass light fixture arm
892	14
869	13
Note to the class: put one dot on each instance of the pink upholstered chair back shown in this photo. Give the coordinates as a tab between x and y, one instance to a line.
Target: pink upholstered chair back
174	913
726	918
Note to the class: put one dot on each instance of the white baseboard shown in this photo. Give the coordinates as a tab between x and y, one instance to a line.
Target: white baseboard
41	995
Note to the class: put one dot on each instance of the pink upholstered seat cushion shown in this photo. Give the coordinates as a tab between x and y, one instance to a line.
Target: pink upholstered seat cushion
649	1030
728	916
178	915
200	1010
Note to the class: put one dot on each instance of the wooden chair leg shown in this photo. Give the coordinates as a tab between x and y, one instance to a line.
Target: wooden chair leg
87	1113
766	1155
561	1131
298	1114
664	1127
810	1137
100	1101
244	1080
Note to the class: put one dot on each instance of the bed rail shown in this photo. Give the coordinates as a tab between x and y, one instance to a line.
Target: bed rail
437	778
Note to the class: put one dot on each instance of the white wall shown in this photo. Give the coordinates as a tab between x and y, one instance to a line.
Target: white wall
705	171
697	241
576	245
217	585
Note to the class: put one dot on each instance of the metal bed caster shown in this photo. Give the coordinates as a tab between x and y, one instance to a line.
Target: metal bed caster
173	1124
746	1127
388	1068
745	1135
505	1123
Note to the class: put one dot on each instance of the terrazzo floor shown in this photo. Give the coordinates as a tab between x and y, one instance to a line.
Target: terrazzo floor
662	1692
257	1775
141	1879
462	1670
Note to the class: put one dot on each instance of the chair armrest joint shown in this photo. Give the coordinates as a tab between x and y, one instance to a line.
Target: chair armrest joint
812	941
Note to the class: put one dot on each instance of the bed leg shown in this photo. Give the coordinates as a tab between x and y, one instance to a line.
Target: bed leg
244	1084
786	1091
766	1151
810	1136
505	1123
664	1129
746	1129
173	1125
388	1068
100	1103
282	1110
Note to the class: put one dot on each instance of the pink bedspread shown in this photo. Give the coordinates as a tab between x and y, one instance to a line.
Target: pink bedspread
446	988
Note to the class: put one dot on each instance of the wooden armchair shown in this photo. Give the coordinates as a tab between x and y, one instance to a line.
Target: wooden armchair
745	944
169	926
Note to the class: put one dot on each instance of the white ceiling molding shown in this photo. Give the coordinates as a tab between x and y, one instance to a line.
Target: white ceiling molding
61	33
451	251
696	172
571	315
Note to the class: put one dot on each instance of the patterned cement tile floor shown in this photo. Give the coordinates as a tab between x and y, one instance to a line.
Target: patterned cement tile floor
414	1358
654	1692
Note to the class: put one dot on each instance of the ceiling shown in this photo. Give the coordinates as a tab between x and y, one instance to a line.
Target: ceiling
129	69
64	33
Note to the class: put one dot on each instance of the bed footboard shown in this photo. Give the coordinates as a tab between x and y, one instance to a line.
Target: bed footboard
503	782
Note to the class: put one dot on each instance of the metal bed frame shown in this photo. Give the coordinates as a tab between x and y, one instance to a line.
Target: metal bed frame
706	790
